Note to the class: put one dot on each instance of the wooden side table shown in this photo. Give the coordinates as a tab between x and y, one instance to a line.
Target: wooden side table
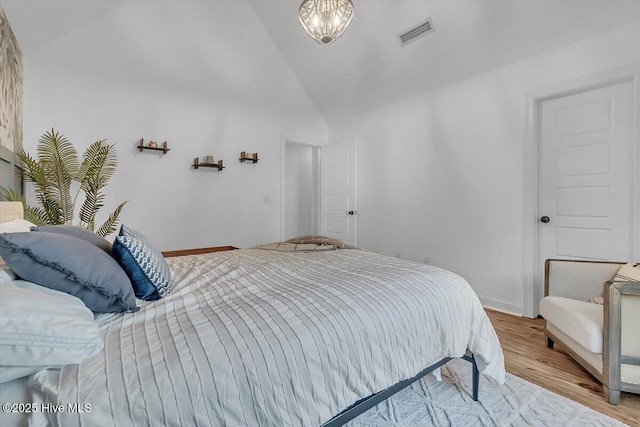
197	251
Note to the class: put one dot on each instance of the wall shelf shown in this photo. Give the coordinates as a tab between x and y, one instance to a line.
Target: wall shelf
162	147
251	157
197	164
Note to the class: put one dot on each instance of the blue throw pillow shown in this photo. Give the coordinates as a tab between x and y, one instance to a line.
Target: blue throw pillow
71	265
79	232
146	267
130	232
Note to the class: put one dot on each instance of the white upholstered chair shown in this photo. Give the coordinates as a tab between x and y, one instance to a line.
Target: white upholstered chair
604	339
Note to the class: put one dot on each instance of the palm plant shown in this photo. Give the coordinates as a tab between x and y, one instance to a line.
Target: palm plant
57	166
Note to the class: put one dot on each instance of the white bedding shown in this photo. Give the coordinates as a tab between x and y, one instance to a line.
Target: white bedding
263	338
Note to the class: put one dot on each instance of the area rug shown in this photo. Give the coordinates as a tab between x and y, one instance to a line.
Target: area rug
429	402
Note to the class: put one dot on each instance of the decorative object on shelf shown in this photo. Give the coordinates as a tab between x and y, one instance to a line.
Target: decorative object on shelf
325	20
252	157
207	159
153	146
207	164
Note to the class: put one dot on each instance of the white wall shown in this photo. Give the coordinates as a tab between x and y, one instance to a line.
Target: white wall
150	70
441	174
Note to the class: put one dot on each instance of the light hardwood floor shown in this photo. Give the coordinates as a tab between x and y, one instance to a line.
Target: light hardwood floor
527	356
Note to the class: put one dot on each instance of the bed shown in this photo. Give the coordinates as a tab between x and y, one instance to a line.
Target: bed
265	337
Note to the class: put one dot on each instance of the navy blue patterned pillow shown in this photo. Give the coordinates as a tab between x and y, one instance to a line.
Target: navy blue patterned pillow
130	232
145	266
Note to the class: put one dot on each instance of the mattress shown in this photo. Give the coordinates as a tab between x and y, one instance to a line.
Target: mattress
257	337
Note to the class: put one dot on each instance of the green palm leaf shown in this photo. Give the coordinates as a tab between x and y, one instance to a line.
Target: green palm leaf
11	195
88	160
100	159
110	225
31	214
51	209
35	215
34	172
97	168
59	160
53	172
93	202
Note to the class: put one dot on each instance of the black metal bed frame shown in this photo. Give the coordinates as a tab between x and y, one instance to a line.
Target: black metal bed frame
371	401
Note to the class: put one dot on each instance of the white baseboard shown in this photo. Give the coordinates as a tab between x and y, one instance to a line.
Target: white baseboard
503	306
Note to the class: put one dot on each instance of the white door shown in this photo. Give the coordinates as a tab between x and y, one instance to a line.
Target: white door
338	204
586	177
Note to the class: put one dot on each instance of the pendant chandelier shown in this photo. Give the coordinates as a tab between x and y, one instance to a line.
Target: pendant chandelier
325	20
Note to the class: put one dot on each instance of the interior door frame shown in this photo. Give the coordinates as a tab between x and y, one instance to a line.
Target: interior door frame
531	159
317	145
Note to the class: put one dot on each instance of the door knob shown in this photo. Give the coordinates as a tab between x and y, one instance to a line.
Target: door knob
352	212
545	219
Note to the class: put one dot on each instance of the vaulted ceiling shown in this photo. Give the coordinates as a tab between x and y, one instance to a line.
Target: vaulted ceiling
367	67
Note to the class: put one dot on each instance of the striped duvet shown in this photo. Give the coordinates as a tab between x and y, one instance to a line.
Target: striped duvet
263	338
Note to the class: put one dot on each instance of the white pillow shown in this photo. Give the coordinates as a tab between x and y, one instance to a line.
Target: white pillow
5	272
13	226
16	226
42	327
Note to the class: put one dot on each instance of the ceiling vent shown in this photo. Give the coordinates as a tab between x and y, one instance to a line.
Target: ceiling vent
416	32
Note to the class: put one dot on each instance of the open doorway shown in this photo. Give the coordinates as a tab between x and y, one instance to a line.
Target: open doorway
300	189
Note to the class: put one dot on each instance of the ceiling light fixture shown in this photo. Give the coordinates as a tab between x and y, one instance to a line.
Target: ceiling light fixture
325	20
